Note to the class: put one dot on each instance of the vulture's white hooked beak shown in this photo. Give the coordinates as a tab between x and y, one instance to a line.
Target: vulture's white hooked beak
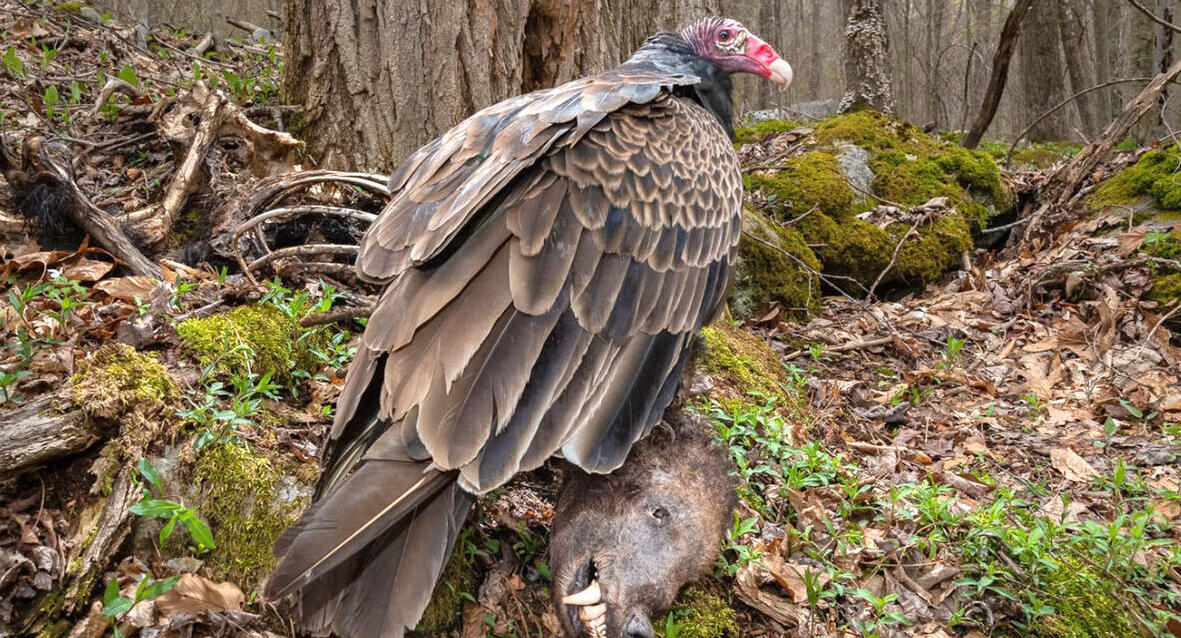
775	68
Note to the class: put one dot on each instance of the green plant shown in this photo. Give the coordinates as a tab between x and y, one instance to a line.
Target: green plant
951	353
172	511
148	588
13	65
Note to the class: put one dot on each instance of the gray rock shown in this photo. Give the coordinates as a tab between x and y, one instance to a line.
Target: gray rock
854	164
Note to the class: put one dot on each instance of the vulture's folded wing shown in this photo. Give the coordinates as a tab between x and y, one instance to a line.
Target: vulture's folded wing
548	262
558	315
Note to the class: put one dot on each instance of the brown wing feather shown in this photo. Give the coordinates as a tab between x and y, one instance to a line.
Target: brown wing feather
548	263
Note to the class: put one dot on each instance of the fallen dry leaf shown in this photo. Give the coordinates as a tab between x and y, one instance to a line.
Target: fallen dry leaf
128	288
1073	467
86	269
194	594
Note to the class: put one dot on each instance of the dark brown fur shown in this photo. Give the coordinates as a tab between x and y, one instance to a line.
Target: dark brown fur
641	561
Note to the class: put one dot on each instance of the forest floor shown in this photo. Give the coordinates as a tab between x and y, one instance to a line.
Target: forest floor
996	453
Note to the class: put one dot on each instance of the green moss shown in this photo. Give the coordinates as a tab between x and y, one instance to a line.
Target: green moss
740	358
188	227
912	167
1036	157
853	248
762	130
117	379
938	248
259	338
1166	288
700	613
812	180
240	498
72	8
1156	175
1086	604
460	576
765	274
1164	245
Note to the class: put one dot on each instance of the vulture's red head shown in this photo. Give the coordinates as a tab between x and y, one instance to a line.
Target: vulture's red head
729	46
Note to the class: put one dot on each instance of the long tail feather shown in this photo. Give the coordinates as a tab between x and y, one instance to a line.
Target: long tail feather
364	559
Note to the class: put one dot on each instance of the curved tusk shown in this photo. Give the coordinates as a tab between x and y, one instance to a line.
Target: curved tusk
589	596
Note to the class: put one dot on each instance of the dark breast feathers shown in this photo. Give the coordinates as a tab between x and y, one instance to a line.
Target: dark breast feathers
550	260
548	263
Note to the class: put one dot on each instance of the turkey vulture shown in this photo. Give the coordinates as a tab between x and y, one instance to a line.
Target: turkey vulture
546	263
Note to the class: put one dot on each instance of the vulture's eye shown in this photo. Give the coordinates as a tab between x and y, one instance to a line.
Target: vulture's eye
659	513
723	36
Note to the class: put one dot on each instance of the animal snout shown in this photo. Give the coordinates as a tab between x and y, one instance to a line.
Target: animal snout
639	627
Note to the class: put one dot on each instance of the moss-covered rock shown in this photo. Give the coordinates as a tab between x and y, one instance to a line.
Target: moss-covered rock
1156	175
117	379
742	360
259	338
241	495
767	271
812	180
758	131
1086	604
700	613
133	393
1166	288
909	168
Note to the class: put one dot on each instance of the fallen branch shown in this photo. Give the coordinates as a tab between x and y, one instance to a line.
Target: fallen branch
37	432
1061	105
112	86
860	345
1072	174
218	117
336	316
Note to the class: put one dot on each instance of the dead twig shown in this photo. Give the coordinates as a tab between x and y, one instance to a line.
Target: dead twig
336	316
872	343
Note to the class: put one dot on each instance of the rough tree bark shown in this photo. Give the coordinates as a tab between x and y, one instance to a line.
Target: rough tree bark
1080	68
378	78
1103	12
1010	33
1162	56
1042	80
867	58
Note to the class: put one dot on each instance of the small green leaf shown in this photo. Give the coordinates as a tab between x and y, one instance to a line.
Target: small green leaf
111	592
148	471
127	74
157	588
198	529
166	531
155	508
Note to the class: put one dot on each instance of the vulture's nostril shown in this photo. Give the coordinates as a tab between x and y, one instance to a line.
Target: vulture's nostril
639	627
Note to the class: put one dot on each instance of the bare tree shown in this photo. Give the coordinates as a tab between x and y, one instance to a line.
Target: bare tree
378	78
1010	34
1080	67
1162	56
867	63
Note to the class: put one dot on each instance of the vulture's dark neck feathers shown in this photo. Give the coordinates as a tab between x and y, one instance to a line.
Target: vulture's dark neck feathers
670	53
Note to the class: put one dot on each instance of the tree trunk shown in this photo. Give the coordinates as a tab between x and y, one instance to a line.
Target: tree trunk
1079	67
867	61
1102	11
1010	34
814	65
1042	72
1163	53
378	78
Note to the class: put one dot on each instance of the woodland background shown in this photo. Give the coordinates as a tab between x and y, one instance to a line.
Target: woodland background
940	52
950	383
